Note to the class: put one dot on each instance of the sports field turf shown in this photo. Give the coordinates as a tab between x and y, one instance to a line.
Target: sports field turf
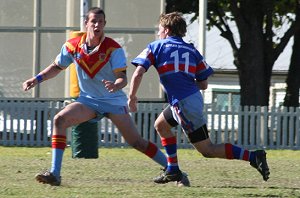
127	173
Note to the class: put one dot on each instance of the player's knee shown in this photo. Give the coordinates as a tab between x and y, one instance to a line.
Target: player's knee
198	135
59	121
158	125
199	138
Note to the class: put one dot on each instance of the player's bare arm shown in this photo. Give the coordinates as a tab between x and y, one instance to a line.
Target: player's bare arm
134	86
202	85
118	84
49	72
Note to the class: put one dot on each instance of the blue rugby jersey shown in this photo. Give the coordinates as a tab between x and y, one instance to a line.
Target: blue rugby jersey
178	65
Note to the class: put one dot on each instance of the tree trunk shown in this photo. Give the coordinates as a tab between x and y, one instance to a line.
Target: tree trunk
253	73
293	81
254	80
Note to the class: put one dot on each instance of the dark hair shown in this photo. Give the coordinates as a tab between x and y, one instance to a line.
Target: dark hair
175	22
95	10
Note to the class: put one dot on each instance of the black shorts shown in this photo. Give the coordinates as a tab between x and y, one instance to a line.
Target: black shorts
169	117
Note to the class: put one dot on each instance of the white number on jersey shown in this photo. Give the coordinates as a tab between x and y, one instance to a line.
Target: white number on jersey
185	56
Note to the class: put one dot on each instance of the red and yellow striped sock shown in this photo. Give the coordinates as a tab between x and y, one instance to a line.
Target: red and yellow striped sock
59	142
58	147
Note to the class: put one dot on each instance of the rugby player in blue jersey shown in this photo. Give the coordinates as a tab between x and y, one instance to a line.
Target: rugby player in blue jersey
183	71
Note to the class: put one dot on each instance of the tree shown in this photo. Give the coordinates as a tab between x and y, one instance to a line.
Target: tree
293	81
258	46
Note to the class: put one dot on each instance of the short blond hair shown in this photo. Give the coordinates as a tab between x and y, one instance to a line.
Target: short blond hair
174	22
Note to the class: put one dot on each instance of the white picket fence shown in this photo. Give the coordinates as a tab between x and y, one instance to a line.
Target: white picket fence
29	123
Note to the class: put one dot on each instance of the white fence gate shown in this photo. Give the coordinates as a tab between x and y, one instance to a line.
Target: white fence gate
29	123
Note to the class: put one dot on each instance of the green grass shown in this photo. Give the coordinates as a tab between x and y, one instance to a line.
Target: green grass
127	173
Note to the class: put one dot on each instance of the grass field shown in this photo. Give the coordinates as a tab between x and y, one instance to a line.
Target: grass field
127	173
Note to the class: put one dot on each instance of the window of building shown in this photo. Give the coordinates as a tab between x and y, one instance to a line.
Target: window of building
226	98
278	97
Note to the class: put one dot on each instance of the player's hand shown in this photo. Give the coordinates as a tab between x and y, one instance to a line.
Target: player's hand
110	86
90	34
132	101
30	83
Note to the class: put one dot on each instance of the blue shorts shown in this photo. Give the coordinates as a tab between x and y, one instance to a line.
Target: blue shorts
102	107
188	113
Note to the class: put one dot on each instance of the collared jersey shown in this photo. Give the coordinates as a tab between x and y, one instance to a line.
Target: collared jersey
94	66
178	64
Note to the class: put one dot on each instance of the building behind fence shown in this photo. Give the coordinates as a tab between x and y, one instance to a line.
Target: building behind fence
29	123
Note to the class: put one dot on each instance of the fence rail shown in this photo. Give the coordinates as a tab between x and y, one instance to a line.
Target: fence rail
29	123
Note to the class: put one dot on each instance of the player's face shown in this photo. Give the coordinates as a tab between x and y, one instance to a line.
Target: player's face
162	32
96	24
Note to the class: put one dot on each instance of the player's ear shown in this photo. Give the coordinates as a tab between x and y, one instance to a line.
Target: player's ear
167	31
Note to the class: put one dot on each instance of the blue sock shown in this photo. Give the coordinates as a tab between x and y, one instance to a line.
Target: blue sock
57	156
171	150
